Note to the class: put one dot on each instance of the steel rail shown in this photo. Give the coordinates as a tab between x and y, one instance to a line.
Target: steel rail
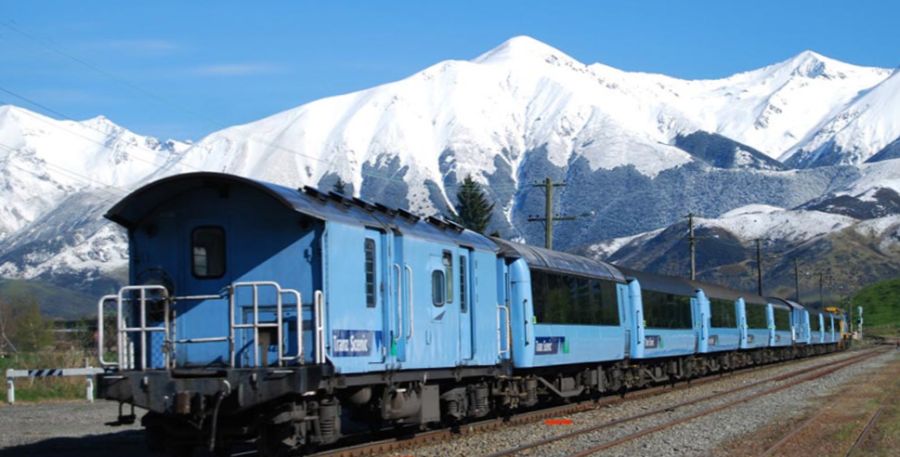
435	436
648	431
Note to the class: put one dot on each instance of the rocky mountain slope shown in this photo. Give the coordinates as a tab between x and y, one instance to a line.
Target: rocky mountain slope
849	252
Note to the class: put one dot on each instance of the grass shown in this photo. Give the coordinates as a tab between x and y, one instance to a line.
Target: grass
51	388
881	307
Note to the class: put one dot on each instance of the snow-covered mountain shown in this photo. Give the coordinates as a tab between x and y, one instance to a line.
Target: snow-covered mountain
636	150
860	130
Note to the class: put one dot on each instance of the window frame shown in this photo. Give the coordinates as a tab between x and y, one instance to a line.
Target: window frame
761	309
442	283
463	285
193	246
565	299
369	263
714	320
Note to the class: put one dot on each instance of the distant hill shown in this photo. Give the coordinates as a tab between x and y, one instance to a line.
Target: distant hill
881	305
55	301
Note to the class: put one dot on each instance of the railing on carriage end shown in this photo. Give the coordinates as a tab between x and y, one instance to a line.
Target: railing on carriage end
142	296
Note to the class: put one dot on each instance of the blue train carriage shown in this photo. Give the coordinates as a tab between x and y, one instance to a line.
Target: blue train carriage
816	326
780	323
666	315
566	309
245	293
722	314
755	316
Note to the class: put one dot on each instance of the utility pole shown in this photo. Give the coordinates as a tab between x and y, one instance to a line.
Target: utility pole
549	217
821	296
797	279
693	243
759	289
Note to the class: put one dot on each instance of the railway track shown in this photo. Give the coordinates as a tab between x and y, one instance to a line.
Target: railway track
438	436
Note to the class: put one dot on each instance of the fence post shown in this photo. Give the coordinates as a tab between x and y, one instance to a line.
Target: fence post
90	389
10	391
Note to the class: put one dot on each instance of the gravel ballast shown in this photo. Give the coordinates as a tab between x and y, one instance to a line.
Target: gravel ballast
700	436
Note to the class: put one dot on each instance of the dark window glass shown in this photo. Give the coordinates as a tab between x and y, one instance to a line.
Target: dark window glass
756	316
722	313
369	247
662	310
564	299
208	252
437	288
813	322
782	319
463	293
448	275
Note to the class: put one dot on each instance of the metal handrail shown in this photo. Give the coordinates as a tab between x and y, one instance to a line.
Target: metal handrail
299	357
126	359
101	347
143	330
399	302
319	309
410	302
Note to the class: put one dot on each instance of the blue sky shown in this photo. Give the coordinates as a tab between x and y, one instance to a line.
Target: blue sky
185	69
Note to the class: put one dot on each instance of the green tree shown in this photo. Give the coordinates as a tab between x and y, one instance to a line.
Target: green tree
340	186
32	331
472	209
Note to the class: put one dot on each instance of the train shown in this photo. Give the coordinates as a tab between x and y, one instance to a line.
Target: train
294	317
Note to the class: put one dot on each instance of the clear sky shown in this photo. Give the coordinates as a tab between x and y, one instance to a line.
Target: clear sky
184	69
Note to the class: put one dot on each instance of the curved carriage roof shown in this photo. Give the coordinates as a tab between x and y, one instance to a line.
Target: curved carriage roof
783	302
546	259
686	287
324	206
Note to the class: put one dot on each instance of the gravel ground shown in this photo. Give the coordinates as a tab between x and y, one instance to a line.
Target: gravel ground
67	429
698	437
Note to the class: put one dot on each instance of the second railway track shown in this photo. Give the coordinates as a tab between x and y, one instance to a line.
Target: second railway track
410	442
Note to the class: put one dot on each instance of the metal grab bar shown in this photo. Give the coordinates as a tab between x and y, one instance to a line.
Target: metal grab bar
126	359
319	309
299	357
101	346
143	330
399	334
410	303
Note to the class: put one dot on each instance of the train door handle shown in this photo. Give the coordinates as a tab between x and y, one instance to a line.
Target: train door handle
399	333
410	302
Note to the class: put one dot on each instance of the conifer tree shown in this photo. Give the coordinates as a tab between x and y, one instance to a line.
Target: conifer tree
472	209
340	186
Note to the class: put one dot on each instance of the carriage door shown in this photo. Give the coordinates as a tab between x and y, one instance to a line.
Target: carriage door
397	294
466	302
376	283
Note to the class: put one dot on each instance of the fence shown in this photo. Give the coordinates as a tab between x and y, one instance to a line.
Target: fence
88	373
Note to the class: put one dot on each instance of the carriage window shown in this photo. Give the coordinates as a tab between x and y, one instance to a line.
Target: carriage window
756	316
782	319
448	274
813	323
662	310
437	288
369	247
463	293
208	252
722	313
565	299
